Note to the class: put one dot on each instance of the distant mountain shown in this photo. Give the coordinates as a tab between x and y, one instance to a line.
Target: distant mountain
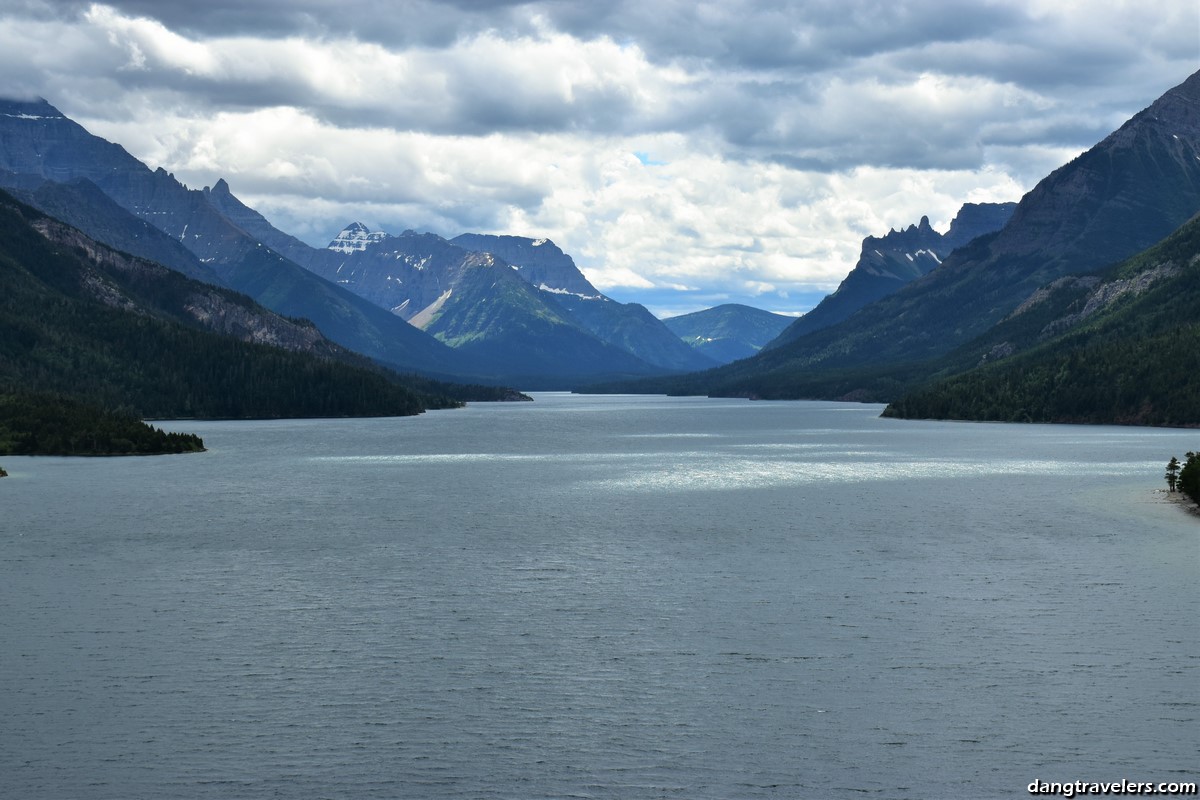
1121	347
539	261
80	319
628	326
1120	197
475	303
38	143
889	262
355	238
728	332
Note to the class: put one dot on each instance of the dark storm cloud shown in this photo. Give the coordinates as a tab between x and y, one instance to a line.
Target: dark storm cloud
814	34
393	22
757	69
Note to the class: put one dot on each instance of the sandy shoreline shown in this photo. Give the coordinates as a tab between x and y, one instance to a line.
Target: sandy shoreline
1180	499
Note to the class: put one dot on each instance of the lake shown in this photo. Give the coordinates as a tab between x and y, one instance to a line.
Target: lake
601	597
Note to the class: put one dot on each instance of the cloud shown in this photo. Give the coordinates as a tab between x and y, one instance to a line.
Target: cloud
681	151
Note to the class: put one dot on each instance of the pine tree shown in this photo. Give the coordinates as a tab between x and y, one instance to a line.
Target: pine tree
1172	473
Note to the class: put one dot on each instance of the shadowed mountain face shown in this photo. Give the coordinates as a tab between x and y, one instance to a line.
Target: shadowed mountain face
83	205
1120	197
38	144
890	262
728	332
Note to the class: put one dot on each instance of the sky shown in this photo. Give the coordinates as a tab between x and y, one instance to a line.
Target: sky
686	153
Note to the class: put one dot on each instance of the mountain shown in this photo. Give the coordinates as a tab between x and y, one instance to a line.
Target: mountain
539	261
889	262
1121	347
474	302
80	319
38	143
628	326
728	332
1120	197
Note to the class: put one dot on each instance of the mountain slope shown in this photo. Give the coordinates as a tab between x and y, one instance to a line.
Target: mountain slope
37	141
83	205
80	319
628	326
728	332
1125	350
889	262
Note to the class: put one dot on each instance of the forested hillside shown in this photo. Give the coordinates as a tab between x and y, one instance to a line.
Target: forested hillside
85	324
1125	351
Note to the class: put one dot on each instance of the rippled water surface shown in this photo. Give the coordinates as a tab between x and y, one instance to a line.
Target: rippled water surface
608	597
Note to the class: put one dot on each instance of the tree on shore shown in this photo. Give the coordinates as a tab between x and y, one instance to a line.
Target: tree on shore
1172	473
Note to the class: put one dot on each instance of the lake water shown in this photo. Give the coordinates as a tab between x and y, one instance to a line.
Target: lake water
601	597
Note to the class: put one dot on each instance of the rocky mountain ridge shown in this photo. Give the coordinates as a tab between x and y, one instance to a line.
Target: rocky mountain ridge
888	263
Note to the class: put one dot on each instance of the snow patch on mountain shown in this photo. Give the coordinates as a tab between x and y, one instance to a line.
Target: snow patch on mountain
552	290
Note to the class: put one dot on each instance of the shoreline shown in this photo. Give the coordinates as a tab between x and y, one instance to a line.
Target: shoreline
1180	499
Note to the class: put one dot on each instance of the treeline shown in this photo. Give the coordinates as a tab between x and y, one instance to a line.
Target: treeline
1185	477
1149	381
46	424
158	369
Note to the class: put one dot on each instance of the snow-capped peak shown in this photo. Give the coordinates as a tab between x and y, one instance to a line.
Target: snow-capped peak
355	238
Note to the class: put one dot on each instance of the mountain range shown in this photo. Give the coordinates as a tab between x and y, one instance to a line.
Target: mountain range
413	302
889	262
80	319
39	144
925	319
1122	196
549	329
